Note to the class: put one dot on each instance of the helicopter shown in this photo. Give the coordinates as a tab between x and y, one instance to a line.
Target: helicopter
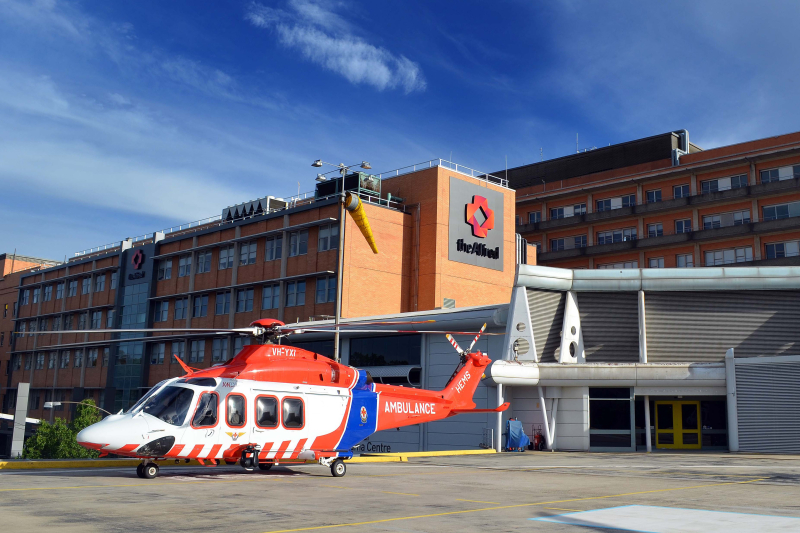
276	404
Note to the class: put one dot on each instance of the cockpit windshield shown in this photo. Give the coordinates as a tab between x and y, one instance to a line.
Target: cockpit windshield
147	395
170	404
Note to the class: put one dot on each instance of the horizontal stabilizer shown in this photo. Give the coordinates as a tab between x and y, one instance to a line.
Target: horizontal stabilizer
495	410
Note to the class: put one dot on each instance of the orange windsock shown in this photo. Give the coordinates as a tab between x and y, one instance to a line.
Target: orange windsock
356	209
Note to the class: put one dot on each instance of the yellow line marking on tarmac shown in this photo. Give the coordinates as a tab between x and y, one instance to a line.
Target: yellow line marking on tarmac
339	487
476	501
559	509
400	493
143	484
448	513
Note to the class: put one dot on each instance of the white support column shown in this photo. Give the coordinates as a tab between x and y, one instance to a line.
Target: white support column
554	411
548	440
642	330
733	415
20	414
647	423
498	432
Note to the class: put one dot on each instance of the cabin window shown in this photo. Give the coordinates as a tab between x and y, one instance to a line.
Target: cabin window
266	412
206	414
235	410
170	404
293	413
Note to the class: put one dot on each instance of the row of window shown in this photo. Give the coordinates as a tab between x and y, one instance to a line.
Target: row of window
93	320
197	351
328	239
94	356
266	408
712	258
71	287
270	299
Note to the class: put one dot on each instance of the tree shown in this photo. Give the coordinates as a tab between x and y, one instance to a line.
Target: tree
59	439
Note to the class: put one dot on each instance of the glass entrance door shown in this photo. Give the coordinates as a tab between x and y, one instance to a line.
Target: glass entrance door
678	425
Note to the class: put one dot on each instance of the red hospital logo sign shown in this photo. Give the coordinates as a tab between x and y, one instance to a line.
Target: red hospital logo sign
138	259
479	203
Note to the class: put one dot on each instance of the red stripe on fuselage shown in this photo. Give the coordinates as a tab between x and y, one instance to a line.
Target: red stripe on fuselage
265	450
298	448
175	451
125	450
282	449
196	451
214	451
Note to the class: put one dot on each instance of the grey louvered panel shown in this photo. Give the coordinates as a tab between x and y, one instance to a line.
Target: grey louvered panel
701	326
768	407
547	315
610	325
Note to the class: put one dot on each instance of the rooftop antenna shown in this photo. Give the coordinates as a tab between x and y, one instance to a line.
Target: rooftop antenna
541	153
577	150
506	169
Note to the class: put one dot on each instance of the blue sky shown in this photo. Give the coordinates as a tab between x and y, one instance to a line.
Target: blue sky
122	118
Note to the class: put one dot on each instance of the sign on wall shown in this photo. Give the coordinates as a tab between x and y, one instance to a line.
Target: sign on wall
476	225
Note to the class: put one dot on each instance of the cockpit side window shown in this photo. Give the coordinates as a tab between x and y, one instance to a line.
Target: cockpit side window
293	413
170	404
206	414
267	412
146	396
235	410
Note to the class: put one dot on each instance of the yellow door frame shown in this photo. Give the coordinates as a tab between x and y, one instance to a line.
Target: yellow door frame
678	430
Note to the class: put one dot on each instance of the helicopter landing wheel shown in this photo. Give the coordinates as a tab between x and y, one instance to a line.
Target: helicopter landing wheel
140	470
265	466
150	471
338	468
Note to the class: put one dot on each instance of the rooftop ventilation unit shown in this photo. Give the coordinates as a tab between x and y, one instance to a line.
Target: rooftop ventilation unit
261	206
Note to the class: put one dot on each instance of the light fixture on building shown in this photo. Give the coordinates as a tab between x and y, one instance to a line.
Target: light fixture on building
365	165
321	177
317	163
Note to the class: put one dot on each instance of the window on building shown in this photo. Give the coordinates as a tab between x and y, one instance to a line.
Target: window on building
65	359
16	362
235	410
91	360
48	293
723	184
36	292
298	243
97	319
567	211
157	353
26	296
680	191
775	212
185	266
197	351
517	220
219	350
67	322
683	226
223	303
78	358
40	361
655	230
244	300
5	311
730	256
247	253
106	355
52	361
274	246
616	235
178	350
779	174
56	323
200	306
619	265
293	413
110	319
392	350
86	285
328	237
114	278
267	412
73	288
239	343
43	324
655	262
226	257
295	293
100	283
181	305
653	196
165	269
204	262
161	311
782	249
534	217
270	296
82	317
326	289
2	337
722	220
608	204
59	290
28	362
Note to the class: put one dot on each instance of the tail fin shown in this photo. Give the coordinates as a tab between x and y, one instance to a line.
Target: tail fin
462	385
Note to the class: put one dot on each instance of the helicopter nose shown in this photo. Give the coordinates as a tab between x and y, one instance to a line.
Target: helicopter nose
113	434
93	437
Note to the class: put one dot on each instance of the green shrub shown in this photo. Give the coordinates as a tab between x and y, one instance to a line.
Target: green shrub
58	440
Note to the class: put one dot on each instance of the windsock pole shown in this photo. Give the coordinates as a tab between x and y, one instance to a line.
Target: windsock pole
339	278
353	204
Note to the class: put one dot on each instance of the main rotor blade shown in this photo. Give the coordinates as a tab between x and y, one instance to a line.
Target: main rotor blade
358	325
476	338
455	344
316	330
151	330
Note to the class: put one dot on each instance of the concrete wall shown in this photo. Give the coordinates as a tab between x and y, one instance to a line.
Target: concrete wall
572	416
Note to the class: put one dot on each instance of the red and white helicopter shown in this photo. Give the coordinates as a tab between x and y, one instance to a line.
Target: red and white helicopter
276	404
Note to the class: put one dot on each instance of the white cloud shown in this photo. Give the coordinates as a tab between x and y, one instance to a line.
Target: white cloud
307	30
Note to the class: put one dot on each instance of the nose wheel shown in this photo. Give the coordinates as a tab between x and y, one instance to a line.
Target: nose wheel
147	470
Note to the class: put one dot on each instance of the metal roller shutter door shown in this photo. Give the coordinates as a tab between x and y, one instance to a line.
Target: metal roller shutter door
610	325
547	315
701	326
768	407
